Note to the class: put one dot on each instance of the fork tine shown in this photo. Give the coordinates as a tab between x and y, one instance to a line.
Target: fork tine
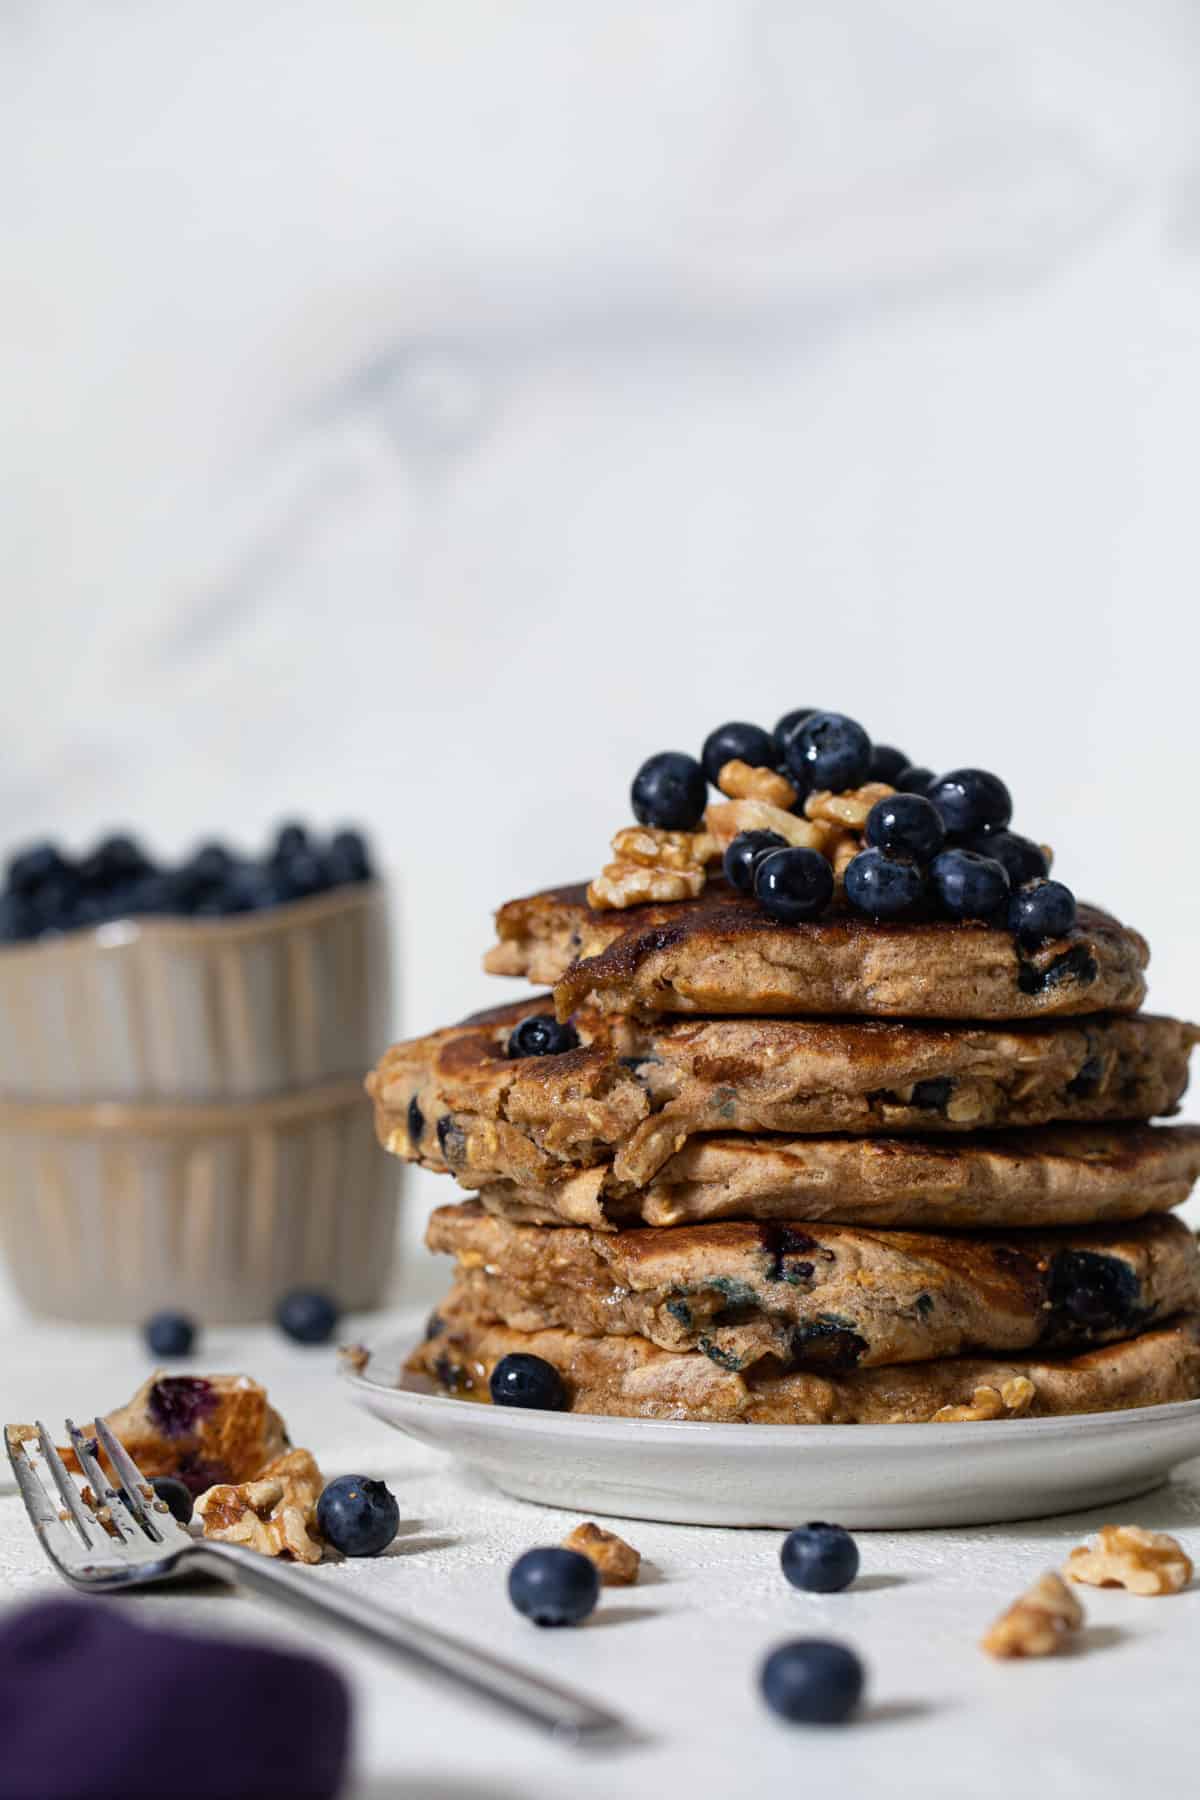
100	1485
33	1489
64	1484
133	1482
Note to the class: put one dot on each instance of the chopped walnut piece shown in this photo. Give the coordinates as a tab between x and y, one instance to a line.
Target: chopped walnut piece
725	819
1128	1556
276	1513
617	1561
850	808
622	884
740	781
1039	1623
354	1357
656	849
1010	1401
841	851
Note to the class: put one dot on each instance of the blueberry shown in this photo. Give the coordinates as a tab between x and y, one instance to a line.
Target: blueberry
358	1516
830	751
541	1035
348	858
554	1587
883	886
169	1334
737	741
28	869
972	800
300	873
821	1559
914	780
906	825
744	854
670	792
174	1496
1040	910
246	889
787	728
115	859
17	920
969	886
812	1682
529	1381
793	884
289	839
1023	859
307	1316
887	764
204	871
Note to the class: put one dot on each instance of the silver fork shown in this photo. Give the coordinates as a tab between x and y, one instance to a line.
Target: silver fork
130	1540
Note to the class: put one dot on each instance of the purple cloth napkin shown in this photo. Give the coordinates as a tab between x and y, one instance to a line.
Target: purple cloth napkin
96	1707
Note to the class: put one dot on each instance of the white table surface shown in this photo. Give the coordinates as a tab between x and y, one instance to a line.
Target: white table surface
678	1653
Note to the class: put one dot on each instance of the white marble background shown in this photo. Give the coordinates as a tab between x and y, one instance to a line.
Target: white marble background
421	413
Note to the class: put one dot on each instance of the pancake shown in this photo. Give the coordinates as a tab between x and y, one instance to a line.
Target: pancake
1056	1175
633	1378
823	1298
721	954
634	1092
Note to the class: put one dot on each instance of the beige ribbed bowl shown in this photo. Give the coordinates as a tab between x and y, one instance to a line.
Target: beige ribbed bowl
199	1009
109	1213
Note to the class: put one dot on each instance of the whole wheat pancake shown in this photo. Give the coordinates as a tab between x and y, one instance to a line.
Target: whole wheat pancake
634	1091
721	954
1054	1175
632	1377
824	1298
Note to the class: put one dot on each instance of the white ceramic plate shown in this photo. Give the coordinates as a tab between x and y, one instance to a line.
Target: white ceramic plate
881	1476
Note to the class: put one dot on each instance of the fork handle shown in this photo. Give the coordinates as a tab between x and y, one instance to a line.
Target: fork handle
555	1708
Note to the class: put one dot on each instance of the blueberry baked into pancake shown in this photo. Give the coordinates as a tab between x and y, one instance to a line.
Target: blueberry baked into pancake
839	1111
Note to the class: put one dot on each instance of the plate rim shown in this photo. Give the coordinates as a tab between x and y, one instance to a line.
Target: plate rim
560	1424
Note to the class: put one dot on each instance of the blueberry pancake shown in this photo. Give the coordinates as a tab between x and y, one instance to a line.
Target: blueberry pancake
1055	1175
633	1378
723	954
631	1093
824	1298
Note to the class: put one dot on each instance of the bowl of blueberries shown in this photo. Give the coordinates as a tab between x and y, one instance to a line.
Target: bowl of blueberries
181	1058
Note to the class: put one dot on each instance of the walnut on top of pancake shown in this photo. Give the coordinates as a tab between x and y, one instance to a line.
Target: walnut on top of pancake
814	812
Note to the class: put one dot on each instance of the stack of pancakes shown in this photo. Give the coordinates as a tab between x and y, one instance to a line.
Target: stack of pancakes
820	1173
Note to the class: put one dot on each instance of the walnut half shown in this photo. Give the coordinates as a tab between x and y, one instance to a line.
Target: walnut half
1128	1556
276	1513
1039	1623
617	1561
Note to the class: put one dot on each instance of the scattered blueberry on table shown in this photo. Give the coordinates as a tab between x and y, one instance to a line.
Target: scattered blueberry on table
554	1586
541	1035
358	1516
530	1381
170	1334
307	1316
812	1682
47	892
820	1558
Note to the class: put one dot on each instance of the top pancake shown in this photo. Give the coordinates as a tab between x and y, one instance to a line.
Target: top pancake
722	954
